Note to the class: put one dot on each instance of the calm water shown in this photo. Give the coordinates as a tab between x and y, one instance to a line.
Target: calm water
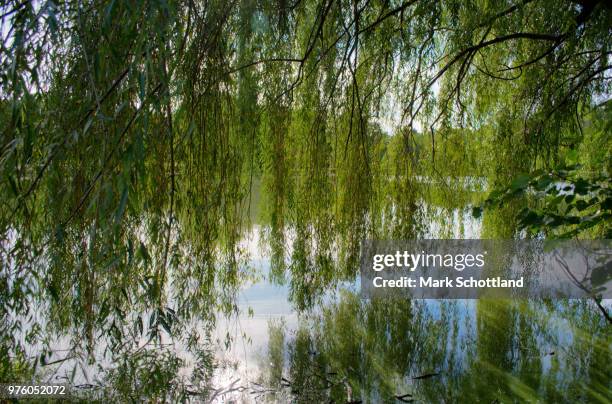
346	349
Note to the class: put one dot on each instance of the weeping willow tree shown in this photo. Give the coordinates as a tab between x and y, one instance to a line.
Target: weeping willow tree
134	133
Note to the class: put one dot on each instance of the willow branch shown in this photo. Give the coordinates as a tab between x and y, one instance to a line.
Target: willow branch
107	161
469	50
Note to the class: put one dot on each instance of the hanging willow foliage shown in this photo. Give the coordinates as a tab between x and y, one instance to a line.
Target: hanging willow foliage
135	131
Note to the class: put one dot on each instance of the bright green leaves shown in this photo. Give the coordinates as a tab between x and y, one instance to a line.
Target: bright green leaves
566	202
519	184
291	96
161	317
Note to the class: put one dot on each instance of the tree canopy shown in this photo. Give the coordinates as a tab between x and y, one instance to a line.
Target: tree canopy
134	134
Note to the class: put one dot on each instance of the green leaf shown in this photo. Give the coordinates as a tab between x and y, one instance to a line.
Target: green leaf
144	253
520	183
543	183
13	185
164	324
122	205
531	218
138	326
581	187
572	156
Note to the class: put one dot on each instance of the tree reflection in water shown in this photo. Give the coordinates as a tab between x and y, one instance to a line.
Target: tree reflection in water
440	351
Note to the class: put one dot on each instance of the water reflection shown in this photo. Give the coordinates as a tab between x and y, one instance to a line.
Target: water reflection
277	318
439	351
